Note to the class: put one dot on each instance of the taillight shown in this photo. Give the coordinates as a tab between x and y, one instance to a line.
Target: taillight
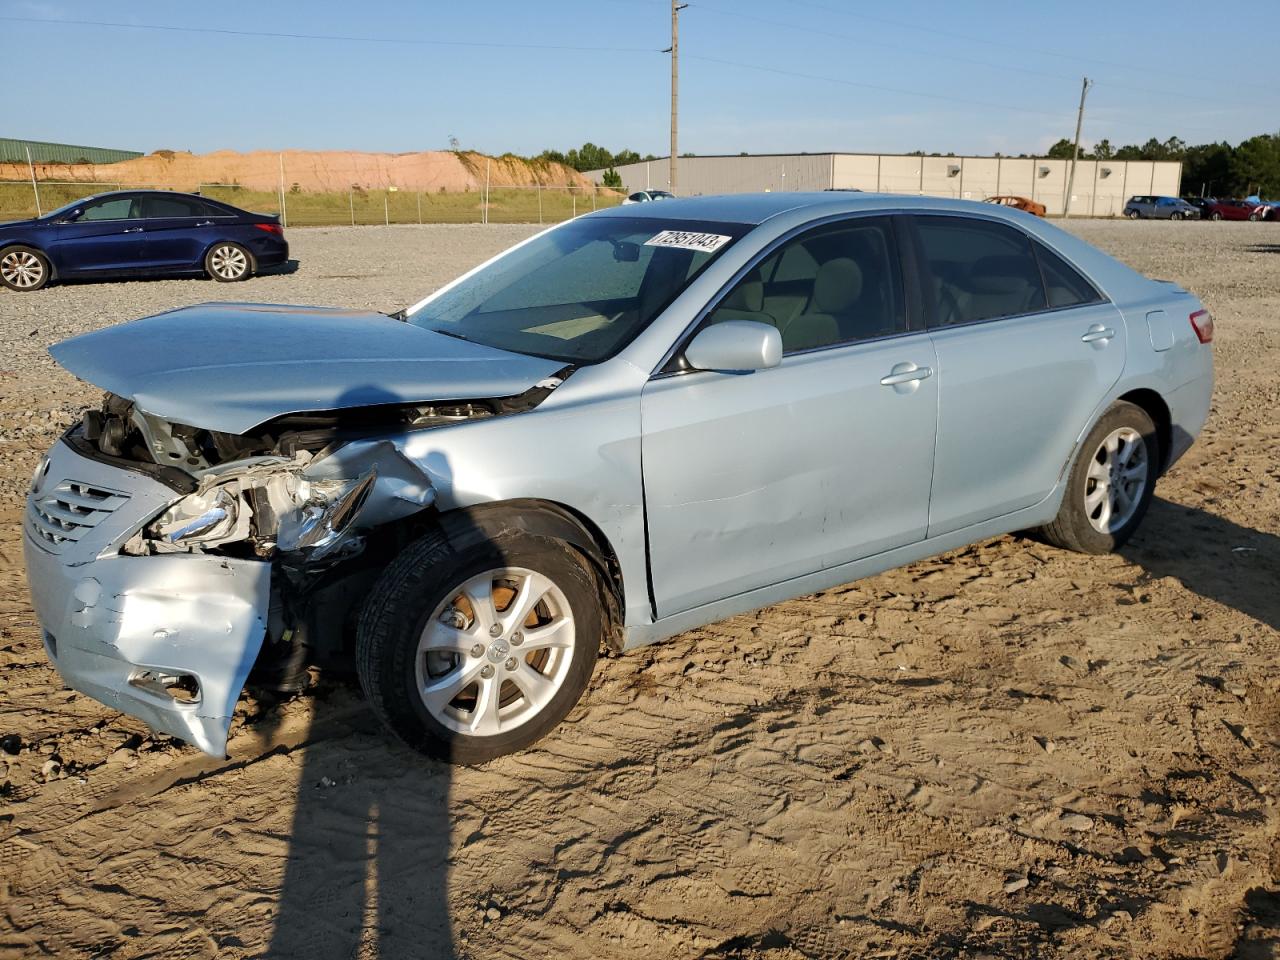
271	228
1202	324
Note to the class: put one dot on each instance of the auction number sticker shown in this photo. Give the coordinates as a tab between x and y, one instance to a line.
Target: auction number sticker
684	240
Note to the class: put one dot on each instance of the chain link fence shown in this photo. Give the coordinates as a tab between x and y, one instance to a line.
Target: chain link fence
357	206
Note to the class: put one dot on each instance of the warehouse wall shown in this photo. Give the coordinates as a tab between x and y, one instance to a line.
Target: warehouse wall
1100	188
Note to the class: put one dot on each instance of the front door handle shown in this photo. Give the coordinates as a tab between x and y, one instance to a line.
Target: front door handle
1096	333
903	373
132	229
205	223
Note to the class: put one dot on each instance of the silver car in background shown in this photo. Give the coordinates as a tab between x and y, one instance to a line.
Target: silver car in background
1160	208
632	424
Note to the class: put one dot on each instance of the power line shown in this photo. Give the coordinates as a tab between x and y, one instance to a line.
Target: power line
970	38
327	36
933	54
873	86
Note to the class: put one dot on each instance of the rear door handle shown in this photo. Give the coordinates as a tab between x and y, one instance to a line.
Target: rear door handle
905	373
205	223
1098	332
132	229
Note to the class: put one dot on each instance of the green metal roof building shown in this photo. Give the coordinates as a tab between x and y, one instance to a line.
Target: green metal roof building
15	151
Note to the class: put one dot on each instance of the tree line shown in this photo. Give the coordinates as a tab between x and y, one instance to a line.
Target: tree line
1251	167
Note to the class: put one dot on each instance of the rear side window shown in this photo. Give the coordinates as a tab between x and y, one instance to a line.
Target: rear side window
978	270
1065	286
156	208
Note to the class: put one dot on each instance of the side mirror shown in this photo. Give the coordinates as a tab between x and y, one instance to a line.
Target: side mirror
735	346
71	216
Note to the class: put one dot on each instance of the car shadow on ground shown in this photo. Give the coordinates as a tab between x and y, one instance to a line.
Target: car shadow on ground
1222	561
284	269
1264	248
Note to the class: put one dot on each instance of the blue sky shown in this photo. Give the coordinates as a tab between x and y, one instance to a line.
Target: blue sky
967	76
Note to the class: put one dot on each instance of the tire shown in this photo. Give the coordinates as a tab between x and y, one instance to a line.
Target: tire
1253	218
1088	523
1133	214
420	628
1215	216
24	268
229	262
1175	216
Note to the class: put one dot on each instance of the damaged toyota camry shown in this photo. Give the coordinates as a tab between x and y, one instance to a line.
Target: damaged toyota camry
632	424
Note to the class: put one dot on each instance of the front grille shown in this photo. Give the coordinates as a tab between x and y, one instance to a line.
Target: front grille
69	511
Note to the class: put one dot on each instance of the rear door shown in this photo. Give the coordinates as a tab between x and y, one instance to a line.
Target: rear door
178	231
1027	351
108	235
754	479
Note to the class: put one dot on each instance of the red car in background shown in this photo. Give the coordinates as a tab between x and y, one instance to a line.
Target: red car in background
1233	210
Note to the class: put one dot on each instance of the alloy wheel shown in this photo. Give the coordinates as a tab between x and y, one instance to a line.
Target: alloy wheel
1116	480
496	652
228	262
22	269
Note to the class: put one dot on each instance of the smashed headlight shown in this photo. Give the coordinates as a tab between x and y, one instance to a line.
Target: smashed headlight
201	518
265	503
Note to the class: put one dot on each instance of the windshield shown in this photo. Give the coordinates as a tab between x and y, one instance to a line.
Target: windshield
580	292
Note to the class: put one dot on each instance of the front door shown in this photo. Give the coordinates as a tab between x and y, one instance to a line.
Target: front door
754	479
1028	350
109	234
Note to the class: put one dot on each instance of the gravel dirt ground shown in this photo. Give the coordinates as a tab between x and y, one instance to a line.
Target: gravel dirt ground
1008	751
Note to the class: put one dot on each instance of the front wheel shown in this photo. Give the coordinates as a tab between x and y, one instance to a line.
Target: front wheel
1253	217
229	262
1175	216
23	269
1215	216
469	654
1111	483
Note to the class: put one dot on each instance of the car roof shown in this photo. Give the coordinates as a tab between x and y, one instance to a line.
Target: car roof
756	208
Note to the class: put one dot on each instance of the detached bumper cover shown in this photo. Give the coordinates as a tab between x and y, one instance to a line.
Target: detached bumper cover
114	623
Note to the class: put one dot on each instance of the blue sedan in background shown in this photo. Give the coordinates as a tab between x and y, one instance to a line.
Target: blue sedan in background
139	233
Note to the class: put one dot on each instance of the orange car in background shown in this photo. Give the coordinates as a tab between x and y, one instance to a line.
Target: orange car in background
1021	203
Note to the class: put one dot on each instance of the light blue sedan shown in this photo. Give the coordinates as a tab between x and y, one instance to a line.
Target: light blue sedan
632	424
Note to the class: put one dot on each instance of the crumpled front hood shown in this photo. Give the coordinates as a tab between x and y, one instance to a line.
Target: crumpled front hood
232	366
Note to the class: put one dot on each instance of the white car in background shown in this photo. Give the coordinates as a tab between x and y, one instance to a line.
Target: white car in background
644	196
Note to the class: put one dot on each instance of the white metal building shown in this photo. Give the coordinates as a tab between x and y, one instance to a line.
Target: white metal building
1101	187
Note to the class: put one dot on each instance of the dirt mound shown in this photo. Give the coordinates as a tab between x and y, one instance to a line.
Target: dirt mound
311	170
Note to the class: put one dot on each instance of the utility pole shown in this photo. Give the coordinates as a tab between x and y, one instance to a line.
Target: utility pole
674	50
1075	156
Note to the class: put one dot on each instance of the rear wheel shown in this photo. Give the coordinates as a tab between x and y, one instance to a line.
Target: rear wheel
1215	215
1132	214
1111	483
23	268
1253	217
468	654
228	262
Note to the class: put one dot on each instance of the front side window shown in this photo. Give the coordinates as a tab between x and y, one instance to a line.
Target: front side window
837	284
581	292
116	208
978	270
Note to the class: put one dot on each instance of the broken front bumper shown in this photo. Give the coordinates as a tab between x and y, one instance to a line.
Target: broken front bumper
168	639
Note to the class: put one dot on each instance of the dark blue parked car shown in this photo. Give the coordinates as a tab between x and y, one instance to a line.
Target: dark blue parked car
139	232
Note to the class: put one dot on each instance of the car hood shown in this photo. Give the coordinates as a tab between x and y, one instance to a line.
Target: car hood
7	224
232	366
